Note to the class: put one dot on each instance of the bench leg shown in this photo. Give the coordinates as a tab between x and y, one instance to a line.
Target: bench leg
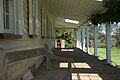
48	63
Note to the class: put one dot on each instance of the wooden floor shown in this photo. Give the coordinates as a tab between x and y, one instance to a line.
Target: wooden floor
85	66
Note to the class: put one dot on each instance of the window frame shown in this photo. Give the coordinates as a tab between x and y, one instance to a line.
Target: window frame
8	23
6	15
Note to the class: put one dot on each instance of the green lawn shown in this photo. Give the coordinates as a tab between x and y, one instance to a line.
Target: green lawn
115	54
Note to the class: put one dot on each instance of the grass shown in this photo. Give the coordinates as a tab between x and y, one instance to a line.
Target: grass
115	55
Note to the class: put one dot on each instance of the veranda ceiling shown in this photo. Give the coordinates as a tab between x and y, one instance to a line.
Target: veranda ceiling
80	10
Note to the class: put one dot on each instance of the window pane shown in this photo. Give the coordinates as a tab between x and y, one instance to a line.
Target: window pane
4	18
3	5
7	21
6	13
7	6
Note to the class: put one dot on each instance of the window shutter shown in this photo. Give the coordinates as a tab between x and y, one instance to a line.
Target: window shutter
30	18
34	17
20	17
37	24
15	17
1	17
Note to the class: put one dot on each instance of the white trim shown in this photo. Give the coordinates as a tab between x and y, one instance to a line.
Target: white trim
20	17
34	17
1	17
30	17
11	17
15	15
37	24
16	18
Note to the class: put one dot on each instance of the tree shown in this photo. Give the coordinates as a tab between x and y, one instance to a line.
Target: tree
117	37
68	35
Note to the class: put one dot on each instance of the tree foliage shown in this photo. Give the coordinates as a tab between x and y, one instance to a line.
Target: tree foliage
112	13
117	37
66	34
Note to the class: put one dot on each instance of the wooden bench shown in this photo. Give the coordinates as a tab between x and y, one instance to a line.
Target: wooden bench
52	74
33	54
13	65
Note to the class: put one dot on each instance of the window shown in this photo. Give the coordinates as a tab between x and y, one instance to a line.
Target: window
10	18
6	14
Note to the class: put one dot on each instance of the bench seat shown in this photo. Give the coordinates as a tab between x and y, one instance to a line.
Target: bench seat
53	75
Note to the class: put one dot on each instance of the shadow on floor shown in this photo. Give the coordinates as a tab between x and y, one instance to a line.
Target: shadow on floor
87	67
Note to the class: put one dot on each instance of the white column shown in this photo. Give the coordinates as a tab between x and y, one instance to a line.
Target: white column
83	38
80	43
108	43
87	39
62	43
95	41
77	39
55	43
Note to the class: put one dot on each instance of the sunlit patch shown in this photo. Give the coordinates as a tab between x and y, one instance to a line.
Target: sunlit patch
63	65
67	49
75	65
85	76
80	65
